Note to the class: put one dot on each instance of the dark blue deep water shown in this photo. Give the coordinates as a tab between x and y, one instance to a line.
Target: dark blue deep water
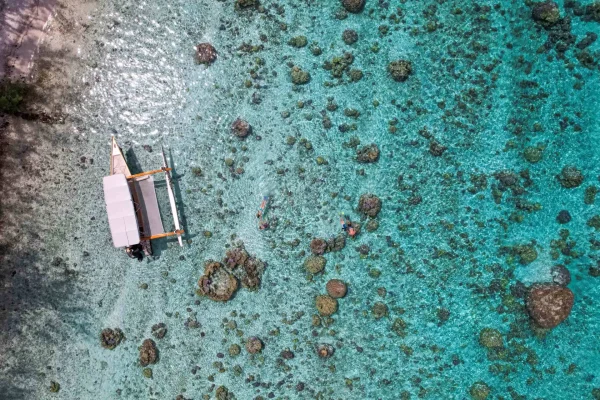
489	131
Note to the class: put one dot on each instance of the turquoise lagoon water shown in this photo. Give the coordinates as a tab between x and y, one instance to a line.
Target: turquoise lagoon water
482	85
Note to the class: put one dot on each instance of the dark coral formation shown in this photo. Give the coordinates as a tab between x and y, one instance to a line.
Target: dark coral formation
254	345
326	305
479	391
339	64
400	70
319	246
353	6
299	76
545	13
148	353
206	53
217	283
241	128
563	217
111	338
436	149
244	267
244	4
549	304
336	288
570	177
315	264
349	36
368	153
369	204
490	338
221	280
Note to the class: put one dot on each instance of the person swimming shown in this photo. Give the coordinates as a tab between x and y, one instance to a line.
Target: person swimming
263	206
347	225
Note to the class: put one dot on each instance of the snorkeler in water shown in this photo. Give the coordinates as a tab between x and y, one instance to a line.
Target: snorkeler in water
347	225
263	206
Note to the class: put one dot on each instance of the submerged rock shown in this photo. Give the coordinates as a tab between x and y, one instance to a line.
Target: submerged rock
217	283
111	338
560	275
400	70
368	154
570	177
336	288
545	13
206	53
254	345
148	353
315	264
353	6
369	204
241	128
549	304
326	305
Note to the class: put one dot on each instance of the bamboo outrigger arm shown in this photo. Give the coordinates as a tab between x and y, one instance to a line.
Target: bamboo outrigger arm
171	197
163	235
154	171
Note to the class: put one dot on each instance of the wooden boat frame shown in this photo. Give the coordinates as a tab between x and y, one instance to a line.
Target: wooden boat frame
118	165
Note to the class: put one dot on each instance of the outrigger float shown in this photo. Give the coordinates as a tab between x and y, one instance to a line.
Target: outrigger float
132	206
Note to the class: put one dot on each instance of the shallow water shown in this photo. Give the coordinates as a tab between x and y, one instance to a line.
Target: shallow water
438	259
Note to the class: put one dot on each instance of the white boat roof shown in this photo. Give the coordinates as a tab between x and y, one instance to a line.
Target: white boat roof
121	213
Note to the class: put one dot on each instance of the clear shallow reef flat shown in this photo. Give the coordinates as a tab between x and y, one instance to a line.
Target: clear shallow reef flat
488	131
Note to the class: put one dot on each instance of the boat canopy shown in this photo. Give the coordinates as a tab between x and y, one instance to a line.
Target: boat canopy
121	213
150	214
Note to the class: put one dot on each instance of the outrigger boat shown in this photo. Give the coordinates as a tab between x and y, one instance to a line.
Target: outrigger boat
132	206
